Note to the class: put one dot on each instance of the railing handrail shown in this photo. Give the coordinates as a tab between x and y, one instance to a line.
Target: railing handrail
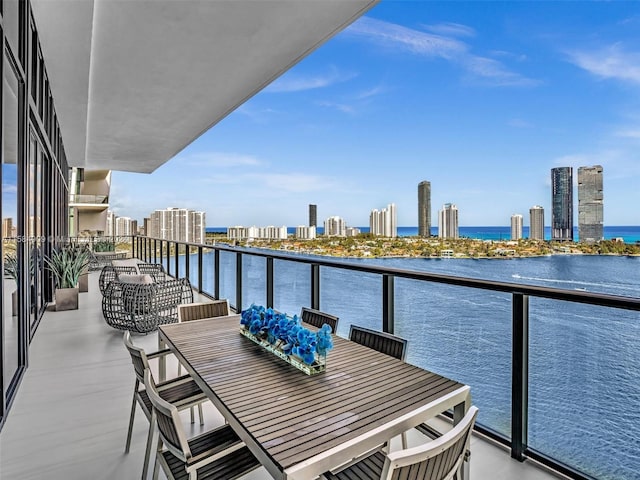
590	298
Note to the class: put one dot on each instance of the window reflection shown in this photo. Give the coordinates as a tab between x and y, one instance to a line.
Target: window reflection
9	223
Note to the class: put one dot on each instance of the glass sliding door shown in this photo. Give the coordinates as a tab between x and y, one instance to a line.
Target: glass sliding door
10	194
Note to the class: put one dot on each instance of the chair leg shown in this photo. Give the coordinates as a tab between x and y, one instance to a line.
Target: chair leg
155	470
200	413
147	451
131	418
404	440
179	368
192	417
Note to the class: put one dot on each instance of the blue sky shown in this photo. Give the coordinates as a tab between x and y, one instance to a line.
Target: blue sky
480	98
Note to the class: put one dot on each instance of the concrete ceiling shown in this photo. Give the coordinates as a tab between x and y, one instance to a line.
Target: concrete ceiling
136	81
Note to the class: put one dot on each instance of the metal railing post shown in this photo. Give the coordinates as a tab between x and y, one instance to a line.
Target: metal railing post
155	251
269	282
133	247
216	273
388	309
238	281
186	260
176	250
200	285
315	286
519	376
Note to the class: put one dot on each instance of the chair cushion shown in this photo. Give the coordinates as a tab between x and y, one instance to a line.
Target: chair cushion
144	279
128	262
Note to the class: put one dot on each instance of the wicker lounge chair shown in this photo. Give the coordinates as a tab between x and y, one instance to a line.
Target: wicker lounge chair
132	267
142	307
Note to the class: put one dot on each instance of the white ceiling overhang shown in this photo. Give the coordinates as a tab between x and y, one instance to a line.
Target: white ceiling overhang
136	81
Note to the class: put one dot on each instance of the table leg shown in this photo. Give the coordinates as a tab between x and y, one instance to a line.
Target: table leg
162	367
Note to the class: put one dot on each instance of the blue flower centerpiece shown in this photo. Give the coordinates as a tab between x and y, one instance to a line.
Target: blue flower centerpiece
286	338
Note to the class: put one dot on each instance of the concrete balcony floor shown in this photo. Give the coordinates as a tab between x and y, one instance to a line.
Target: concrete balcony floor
69	419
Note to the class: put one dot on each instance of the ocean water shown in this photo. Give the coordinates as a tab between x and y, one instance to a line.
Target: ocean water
630	234
584	371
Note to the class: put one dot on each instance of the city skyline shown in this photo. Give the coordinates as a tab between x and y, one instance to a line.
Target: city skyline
385	104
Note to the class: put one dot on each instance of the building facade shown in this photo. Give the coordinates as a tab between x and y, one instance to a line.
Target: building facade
536	223
384	223
590	204
562	204
516	226
313	215
305	233
126	226
424	209
178	224
448	221
264	233
335	227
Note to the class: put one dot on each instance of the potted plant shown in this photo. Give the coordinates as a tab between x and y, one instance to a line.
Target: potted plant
11	269
67	264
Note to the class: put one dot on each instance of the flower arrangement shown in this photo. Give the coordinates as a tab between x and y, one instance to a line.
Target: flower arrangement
286	335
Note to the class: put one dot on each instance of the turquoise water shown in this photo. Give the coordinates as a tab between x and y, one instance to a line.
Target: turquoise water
630	234
584	371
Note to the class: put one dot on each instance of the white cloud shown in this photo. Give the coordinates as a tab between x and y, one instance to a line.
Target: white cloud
609	63
343	107
628	133
390	35
9	188
454	29
293	82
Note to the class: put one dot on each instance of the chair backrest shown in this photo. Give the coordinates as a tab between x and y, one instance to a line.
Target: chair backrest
439	459
382	342
318	318
196	311
168	420
138	357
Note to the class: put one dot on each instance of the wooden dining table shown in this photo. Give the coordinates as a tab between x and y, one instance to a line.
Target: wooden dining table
299	426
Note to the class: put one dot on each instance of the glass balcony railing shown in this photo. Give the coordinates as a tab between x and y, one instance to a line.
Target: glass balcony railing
91	199
555	372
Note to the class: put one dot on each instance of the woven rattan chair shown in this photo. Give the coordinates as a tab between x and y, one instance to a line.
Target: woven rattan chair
110	273
198	311
215	455
182	392
142	307
382	342
439	459
156	270
318	318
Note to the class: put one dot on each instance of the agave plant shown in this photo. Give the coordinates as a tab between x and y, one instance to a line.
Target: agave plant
67	264
11	266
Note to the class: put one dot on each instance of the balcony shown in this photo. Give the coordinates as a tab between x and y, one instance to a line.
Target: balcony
71	413
89	202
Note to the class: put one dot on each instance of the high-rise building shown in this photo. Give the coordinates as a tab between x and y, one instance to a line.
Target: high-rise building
124	226
110	224
424	209
178	224
516	226
7	227
536	223
313	215
305	233
384	222
448	221
562	204
334	227
590	204
146	226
